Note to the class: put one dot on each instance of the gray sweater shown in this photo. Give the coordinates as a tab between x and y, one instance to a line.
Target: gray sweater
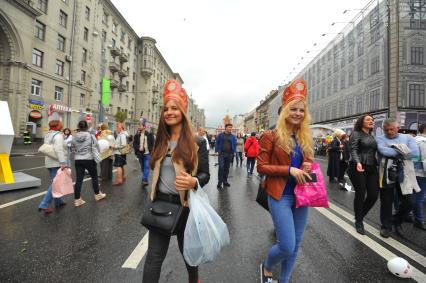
84	144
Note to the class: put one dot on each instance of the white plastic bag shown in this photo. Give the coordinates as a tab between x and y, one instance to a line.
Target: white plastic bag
205	232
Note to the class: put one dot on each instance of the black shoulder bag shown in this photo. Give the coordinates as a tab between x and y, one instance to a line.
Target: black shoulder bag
262	195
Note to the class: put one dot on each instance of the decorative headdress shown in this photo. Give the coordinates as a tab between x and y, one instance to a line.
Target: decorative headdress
295	91
174	91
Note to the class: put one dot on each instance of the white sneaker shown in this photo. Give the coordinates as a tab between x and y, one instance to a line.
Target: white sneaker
100	196
79	202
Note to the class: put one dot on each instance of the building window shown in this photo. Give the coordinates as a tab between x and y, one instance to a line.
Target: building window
84	55
134	76
36	87
416	95
375	99
349	107
127	86
375	34
83	76
360	72
61	43
38	57
86	34
104	36
375	65
417	55
374	17
417	14
114	28
58	93
133	89
129	44
63	18
359	109
87	13
59	67
40	30
82	98
342	109
42	6
360	48
335	87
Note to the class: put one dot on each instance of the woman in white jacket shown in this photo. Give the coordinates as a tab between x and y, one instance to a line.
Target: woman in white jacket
54	137
419	197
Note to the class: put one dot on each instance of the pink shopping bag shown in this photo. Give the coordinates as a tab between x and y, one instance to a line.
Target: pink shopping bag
312	194
62	183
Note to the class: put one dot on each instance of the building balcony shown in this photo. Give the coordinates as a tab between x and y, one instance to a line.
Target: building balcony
122	88
147	72
114	83
114	67
123	57
115	51
155	89
123	73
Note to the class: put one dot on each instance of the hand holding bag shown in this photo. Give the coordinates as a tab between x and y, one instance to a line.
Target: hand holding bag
312	194
62	183
205	232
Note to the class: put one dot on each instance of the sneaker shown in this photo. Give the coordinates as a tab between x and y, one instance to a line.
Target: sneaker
359	226
100	196
385	233
219	186
263	277
79	202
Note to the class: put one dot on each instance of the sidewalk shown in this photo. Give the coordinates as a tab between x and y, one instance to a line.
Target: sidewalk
21	149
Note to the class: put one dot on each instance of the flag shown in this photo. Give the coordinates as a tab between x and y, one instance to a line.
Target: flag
106	91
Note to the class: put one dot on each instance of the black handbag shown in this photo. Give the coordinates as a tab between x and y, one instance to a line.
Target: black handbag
165	215
262	195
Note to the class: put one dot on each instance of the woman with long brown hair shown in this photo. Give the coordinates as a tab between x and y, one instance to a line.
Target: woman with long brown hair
179	162
285	156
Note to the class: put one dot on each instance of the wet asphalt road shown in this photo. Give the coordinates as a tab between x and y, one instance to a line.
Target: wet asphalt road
91	243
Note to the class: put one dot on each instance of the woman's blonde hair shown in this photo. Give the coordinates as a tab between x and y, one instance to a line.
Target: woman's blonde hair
303	133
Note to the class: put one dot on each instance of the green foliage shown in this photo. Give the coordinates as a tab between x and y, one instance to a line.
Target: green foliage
120	116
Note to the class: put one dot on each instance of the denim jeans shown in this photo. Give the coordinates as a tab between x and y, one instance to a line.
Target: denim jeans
45	203
144	162
289	223
250	164
224	163
419	198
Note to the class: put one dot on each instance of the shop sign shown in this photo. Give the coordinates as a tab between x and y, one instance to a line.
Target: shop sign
35	114
35	104
61	108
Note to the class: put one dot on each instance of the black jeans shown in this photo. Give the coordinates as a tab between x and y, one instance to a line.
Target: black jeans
364	182
342	170
250	164
158	244
80	166
224	163
386	202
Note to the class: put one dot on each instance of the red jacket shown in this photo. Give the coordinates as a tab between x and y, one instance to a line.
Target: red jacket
251	147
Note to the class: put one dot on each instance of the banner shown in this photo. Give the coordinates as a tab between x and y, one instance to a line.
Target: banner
106	91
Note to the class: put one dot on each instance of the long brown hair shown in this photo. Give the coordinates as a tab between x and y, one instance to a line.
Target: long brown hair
185	148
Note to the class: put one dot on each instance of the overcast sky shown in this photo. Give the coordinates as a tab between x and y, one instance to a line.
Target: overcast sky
231	53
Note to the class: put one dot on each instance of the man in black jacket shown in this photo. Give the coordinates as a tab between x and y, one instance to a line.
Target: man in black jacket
143	144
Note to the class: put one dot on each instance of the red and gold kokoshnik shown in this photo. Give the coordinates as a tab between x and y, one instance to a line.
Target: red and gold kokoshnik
295	91
174	91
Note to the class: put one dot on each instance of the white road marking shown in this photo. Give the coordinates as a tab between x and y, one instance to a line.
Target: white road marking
138	253
34	195
390	241
373	245
28	169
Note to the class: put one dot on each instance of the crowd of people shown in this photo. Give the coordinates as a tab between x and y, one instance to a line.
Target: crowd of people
392	165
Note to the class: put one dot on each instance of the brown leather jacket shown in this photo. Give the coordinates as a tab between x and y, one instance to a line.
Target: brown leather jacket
273	162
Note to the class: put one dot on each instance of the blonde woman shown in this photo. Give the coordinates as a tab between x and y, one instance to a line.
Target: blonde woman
285	156
179	161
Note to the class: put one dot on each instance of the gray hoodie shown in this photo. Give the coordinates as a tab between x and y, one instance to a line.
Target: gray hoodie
84	144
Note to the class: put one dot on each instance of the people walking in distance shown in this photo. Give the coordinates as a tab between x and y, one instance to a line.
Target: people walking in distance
203	134
285	156
420	167
143	144
239	150
179	161
86	147
363	169
68	145
119	155
56	139
106	163
226	144
251	149
335	149
395	154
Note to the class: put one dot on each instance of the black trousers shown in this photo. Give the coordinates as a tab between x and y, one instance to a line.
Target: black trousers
387	195
366	182
106	169
158	244
342	170
80	167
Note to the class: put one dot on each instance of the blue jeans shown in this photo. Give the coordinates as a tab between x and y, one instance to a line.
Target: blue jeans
419	198
144	162
224	163
45	203
289	223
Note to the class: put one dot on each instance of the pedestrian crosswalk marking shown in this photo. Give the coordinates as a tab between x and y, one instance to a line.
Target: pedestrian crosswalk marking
373	245
138	253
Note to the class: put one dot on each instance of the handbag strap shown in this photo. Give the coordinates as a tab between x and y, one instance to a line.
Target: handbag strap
53	138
